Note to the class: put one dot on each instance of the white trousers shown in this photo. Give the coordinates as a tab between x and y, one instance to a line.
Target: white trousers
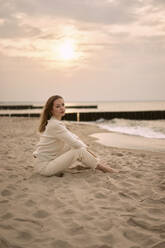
62	162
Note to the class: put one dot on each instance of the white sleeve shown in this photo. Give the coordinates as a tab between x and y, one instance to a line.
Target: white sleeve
71	139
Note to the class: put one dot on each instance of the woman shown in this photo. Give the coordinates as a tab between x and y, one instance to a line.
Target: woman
58	148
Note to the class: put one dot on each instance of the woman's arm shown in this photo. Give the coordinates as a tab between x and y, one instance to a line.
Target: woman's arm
61	132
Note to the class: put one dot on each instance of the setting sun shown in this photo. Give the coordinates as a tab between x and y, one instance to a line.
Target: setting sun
67	50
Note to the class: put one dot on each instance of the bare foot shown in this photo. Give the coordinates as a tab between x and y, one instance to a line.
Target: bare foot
105	168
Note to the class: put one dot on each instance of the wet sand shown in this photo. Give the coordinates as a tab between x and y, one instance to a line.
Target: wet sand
130	141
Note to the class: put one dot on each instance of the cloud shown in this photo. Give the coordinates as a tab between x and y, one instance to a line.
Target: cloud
158	2
26	18
13	29
105	11
88	11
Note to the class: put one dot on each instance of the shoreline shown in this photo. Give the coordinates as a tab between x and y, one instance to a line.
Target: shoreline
106	138
135	142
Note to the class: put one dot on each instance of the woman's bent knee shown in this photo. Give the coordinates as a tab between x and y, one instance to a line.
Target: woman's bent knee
50	172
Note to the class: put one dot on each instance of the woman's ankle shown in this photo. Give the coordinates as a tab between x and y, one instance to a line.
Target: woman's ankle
105	168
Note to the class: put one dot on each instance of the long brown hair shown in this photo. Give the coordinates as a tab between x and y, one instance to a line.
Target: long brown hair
47	112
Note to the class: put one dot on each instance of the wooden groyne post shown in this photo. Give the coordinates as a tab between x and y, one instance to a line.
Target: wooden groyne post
93	116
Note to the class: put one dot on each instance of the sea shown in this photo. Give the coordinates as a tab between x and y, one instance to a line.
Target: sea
154	129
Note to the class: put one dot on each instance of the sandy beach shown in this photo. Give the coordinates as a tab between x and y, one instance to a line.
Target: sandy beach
82	209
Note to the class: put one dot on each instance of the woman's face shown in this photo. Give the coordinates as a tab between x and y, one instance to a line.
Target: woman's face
58	108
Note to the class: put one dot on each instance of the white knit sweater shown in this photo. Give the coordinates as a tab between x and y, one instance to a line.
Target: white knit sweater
55	140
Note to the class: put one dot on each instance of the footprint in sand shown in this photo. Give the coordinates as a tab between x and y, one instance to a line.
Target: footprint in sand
25	236
119	154
58	203
99	195
156	211
133	221
104	246
4	201
107	238
100	246
124	195
60	243
6	227
4	243
41	214
28	221
138	237
13	176
159	245
76	229
162	185
138	222
137	174
69	211
7	216
11	186
6	192
105	225
30	203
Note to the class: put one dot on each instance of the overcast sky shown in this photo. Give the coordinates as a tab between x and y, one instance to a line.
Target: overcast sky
84	50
